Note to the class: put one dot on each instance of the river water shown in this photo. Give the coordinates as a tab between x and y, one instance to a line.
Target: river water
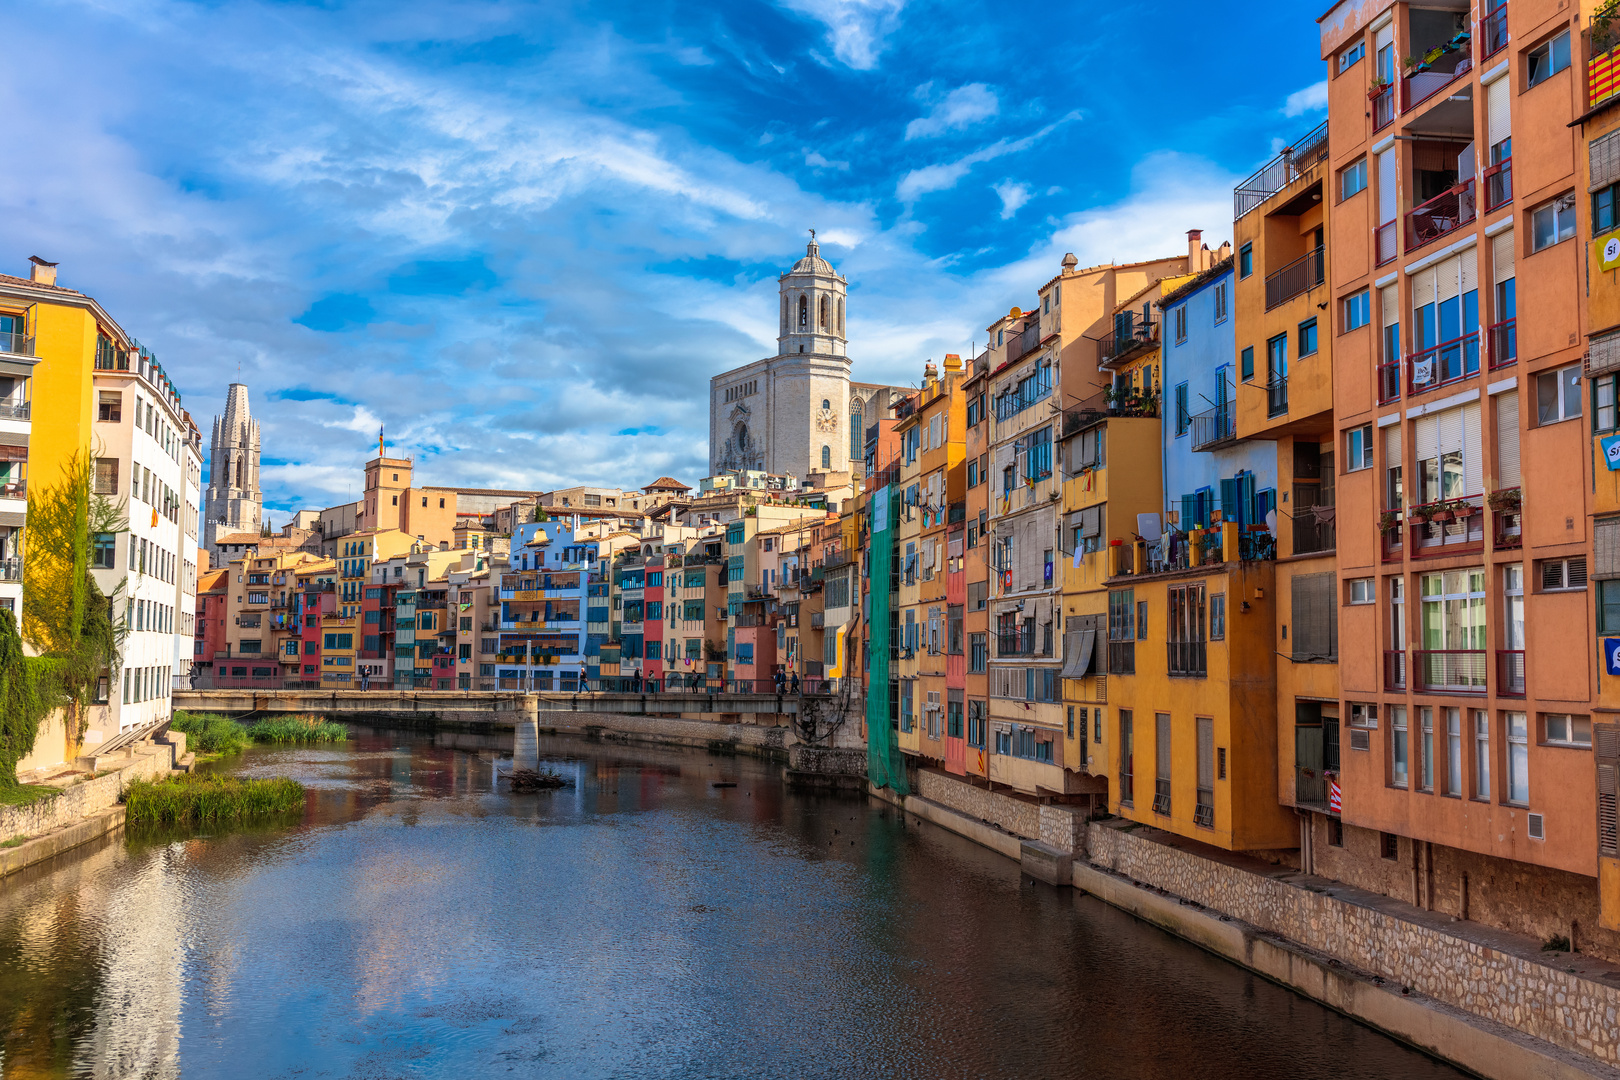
641	923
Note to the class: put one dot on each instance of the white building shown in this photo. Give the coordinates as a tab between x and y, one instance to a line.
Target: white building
16	380
150	459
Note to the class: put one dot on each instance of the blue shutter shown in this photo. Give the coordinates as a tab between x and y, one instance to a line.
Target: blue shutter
1189	512
1231	500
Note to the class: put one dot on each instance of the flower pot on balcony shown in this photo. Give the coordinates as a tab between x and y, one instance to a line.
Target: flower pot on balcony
1441	516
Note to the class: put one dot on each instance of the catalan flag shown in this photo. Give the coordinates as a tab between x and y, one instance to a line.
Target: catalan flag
1603	76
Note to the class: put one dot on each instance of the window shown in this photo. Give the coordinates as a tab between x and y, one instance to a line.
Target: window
1563	575
1389	846
1353	179
978	652
973	476
1546	60
1362	591
1315	618
1217	617
111	404
1185	630
1307	337
1248	364
1398	750
1358	448
1603	208
1127	764
1558	395
1552	222
1221	305
1608	606
105	554
1482	754
1356	311
1122	632
1453	778
1518	762
1161	763
1181	323
1183	418
106	476
826	457
1561	729
1351	56
1245	260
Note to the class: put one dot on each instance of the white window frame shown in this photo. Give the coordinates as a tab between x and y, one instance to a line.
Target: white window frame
1568	727
1516	725
1362	591
1358	448
1355	171
1559	212
1566	404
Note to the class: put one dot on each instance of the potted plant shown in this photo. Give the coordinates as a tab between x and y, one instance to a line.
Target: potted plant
1442	512
1377	88
1507	501
1389	521
1421	513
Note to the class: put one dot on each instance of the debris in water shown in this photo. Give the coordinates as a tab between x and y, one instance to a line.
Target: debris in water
534	780
724	783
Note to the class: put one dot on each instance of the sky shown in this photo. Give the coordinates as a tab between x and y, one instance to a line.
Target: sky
522	237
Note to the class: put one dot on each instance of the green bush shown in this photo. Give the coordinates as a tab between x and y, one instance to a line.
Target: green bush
211	733
207	798
297	729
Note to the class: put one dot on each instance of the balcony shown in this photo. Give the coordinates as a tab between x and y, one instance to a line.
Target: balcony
1254	545
1445	213
14	488
1383	106
1128	403
1292	164
1026	341
1315	530
1161	796
1427	80
1214	428
1510	673
1277	396
1384	244
1394	669
1187	658
1447	527
15	410
1503	339
1389	381
1493	35
10	569
1016	643
1499	185
1450	671
1448	362
17	344
1507	520
1132	333
1305	273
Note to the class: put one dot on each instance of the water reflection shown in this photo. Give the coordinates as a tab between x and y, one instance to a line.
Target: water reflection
642	922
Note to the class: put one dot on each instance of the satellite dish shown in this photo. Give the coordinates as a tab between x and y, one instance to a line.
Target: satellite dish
1271	522
1015	313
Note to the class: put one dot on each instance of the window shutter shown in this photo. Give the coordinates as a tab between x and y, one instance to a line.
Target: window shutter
1575	572
1450	431
1392	446
1386	187
1507	438
1606	549
1498	122
1473	459
1389	302
1606	749
1605	160
1230	501
1446	277
1422	289
1468	273
1502	255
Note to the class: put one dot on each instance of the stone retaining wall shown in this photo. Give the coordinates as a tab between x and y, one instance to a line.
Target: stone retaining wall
1564	1008
84	799
1014	815
765	739
827	761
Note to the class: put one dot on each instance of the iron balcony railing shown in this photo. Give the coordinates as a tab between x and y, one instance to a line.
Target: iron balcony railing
1499	184
1384	241
1510	672
1394	669
1025	341
1204	811
1161	796
17	344
1122	657
1132	331
1430	220
1453	671
1314	533
1188	658
1019	642
1420	86
1383	107
1305	273
1294	162
1447	362
15	410
1277	396
1389	381
1504	343
10	569
1214	428
1493	35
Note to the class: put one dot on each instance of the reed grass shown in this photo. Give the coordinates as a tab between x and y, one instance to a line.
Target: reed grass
211	733
209	798
297	729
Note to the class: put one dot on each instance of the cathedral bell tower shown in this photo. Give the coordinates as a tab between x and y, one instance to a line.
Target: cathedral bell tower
812	306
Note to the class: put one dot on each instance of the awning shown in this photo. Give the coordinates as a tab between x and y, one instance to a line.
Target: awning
1077	650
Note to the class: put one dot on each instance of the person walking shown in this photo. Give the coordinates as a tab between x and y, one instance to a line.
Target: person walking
776	677
795	688
584	679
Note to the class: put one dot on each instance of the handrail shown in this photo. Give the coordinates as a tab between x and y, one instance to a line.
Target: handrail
1504	343
1433	218
1420	86
1302	275
1389	381
1294	162
1214	426
1132	330
1433	366
1499	184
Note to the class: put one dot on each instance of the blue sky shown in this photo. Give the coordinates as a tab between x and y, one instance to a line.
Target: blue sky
524	236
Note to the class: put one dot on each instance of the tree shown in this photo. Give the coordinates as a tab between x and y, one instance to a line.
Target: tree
66	616
30	690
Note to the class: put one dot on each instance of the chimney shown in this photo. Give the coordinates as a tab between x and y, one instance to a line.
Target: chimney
41	272
953	362
1194	256
1224	252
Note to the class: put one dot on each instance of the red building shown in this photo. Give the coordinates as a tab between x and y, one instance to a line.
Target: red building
654	620
208	632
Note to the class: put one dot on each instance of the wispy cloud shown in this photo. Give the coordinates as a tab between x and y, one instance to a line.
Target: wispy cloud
1013	195
943	177
961	108
857	29
1314	98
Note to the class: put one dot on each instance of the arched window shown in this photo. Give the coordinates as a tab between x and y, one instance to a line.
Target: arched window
804	313
826	456
840	317
856	435
826	314
825	404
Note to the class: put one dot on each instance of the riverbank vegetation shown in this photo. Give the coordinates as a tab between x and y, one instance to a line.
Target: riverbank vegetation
297	729
209	798
26	794
210	735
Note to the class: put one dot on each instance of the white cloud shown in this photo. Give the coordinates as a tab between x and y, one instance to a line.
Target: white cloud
1313	98
1013	196
943	177
961	108
856	28
814	159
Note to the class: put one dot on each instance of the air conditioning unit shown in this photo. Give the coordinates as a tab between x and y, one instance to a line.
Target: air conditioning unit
1536	826
1360	739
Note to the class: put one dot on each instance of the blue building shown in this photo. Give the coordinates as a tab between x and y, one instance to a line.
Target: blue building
549	602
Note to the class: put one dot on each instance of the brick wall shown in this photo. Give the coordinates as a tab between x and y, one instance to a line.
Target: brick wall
1563	1008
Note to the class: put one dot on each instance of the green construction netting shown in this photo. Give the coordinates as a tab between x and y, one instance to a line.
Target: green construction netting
885	766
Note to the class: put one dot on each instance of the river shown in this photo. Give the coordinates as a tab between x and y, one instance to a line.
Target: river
641	923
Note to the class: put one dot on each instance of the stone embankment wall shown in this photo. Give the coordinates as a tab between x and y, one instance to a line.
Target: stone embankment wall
1572	1010
766	740
1018	816
89	797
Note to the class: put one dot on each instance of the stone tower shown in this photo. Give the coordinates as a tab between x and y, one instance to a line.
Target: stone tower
788	415
235	502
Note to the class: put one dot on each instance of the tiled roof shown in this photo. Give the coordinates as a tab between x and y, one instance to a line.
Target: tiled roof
12	279
667	482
